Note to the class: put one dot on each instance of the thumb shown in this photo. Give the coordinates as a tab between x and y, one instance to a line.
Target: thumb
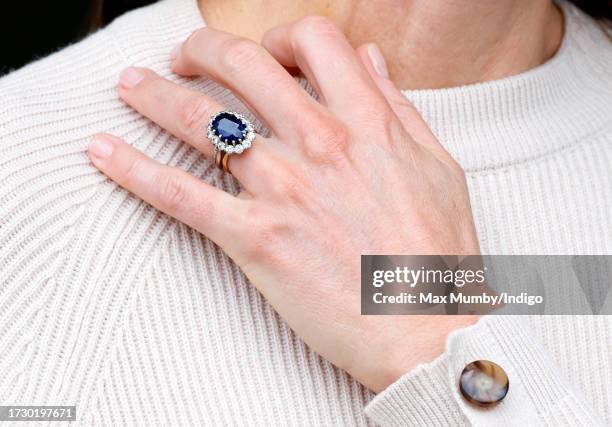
375	63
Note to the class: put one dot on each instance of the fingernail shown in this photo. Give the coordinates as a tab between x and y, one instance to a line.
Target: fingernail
101	146
130	77
175	51
378	61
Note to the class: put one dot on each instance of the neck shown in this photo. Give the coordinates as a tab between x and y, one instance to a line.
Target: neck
427	43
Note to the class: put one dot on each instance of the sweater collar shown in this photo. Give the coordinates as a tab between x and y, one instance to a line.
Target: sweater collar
484	126
528	116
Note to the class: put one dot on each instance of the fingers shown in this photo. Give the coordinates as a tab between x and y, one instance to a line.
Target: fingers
185	114
179	110
249	70
410	118
209	210
316	46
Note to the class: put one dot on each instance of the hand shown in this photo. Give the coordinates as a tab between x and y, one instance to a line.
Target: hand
357	173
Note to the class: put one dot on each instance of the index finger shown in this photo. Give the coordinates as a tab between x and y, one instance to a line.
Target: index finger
252	74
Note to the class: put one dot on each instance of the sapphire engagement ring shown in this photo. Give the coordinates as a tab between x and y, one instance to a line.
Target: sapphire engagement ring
230	133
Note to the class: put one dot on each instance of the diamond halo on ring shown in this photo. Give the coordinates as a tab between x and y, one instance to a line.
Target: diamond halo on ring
230	132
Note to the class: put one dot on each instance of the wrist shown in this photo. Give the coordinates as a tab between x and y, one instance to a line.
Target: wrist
427	342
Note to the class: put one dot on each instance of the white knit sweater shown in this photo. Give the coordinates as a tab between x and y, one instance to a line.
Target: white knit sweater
111	306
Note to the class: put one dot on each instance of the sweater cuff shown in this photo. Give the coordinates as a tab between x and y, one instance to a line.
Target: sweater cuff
421	397
538	394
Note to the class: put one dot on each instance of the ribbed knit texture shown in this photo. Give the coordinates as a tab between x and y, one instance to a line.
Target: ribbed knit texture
109	305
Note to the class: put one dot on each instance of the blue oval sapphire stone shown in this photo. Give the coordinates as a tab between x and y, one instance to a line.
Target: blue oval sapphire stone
229	128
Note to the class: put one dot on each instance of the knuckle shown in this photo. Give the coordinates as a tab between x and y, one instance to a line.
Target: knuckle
131	172
239	54
172	192
267	237
194	114
330	142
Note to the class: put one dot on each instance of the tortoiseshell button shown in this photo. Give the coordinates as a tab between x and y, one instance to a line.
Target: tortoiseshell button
484	383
